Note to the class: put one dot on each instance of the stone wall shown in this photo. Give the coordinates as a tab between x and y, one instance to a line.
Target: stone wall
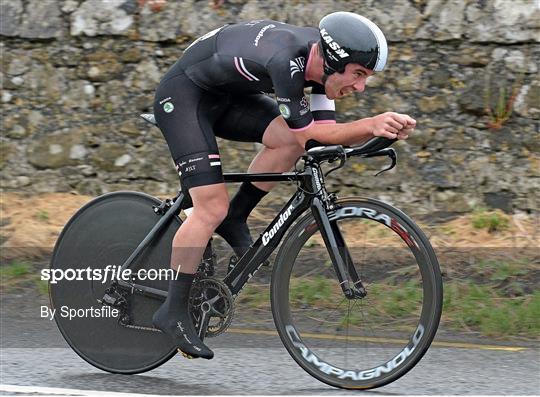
76	74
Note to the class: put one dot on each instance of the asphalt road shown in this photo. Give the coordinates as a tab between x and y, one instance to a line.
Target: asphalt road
34	354
272	371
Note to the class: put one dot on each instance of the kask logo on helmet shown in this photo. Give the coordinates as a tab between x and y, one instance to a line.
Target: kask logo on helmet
333	45
346	38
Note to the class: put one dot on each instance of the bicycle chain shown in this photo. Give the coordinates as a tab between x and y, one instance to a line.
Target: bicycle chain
141	328
210	333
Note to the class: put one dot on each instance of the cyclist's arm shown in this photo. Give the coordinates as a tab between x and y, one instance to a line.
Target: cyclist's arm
353	133
389	125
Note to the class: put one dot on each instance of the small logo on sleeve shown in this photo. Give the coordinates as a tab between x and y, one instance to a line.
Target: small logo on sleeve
285	111
297	65
304	105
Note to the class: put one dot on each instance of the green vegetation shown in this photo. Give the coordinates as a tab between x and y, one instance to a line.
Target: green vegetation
19	274
14	269
478	307
255	295
310	290
403	300
503	272
497	298
493	221
389	303
42	286
499	308
448	230
499	108
42	215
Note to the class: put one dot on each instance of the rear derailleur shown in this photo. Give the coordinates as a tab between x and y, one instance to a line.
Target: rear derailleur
117	299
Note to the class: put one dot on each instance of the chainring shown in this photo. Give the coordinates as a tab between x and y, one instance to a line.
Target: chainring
214	296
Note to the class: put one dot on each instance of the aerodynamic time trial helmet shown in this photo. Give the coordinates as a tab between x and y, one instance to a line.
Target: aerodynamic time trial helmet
351	38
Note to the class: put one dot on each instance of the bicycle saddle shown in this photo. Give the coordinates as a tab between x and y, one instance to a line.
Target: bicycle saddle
150	118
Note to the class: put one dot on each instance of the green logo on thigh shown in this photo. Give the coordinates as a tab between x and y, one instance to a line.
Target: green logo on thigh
168	107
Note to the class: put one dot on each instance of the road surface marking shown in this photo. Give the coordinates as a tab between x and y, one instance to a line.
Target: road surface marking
383	340
64	392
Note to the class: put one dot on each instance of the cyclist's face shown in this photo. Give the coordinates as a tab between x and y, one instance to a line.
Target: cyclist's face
352	79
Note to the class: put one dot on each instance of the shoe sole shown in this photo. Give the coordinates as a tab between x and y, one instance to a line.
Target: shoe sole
186	355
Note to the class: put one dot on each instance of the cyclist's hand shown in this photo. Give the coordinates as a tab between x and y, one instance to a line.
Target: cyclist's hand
393	125
408	128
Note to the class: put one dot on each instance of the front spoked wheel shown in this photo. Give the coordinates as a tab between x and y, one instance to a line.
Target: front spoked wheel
358	343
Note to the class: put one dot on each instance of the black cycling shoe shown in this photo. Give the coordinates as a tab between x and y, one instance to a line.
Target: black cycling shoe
173	318
236	234
183	333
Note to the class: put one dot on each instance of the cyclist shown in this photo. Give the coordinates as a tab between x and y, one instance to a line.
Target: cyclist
217	88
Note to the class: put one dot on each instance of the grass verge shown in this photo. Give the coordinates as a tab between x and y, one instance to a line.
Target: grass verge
484	309
21	274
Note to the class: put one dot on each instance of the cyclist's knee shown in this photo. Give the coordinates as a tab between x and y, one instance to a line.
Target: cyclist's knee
278	135
293	151
210	204
290	153
211	213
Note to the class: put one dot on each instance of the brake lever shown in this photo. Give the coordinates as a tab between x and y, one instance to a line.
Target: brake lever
384	152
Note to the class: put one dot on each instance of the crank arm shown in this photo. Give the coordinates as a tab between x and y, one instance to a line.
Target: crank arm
203	324
206	307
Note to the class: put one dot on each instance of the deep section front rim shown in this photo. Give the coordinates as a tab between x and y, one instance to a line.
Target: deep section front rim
363	343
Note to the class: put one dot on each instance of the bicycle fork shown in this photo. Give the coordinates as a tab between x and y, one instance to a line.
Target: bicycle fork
349	280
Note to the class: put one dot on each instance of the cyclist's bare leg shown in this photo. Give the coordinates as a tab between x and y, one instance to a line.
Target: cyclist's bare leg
280	151
210	205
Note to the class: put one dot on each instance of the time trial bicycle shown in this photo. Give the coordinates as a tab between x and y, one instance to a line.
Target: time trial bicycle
356	289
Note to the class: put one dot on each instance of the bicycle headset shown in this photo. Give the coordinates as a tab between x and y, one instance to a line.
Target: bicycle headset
351	38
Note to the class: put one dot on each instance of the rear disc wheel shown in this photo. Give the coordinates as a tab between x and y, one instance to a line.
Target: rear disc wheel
104	233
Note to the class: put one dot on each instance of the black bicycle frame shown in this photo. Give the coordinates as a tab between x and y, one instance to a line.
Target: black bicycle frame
310	194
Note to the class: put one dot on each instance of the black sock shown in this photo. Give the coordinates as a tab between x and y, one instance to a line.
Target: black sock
178	294
243	202
234	228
